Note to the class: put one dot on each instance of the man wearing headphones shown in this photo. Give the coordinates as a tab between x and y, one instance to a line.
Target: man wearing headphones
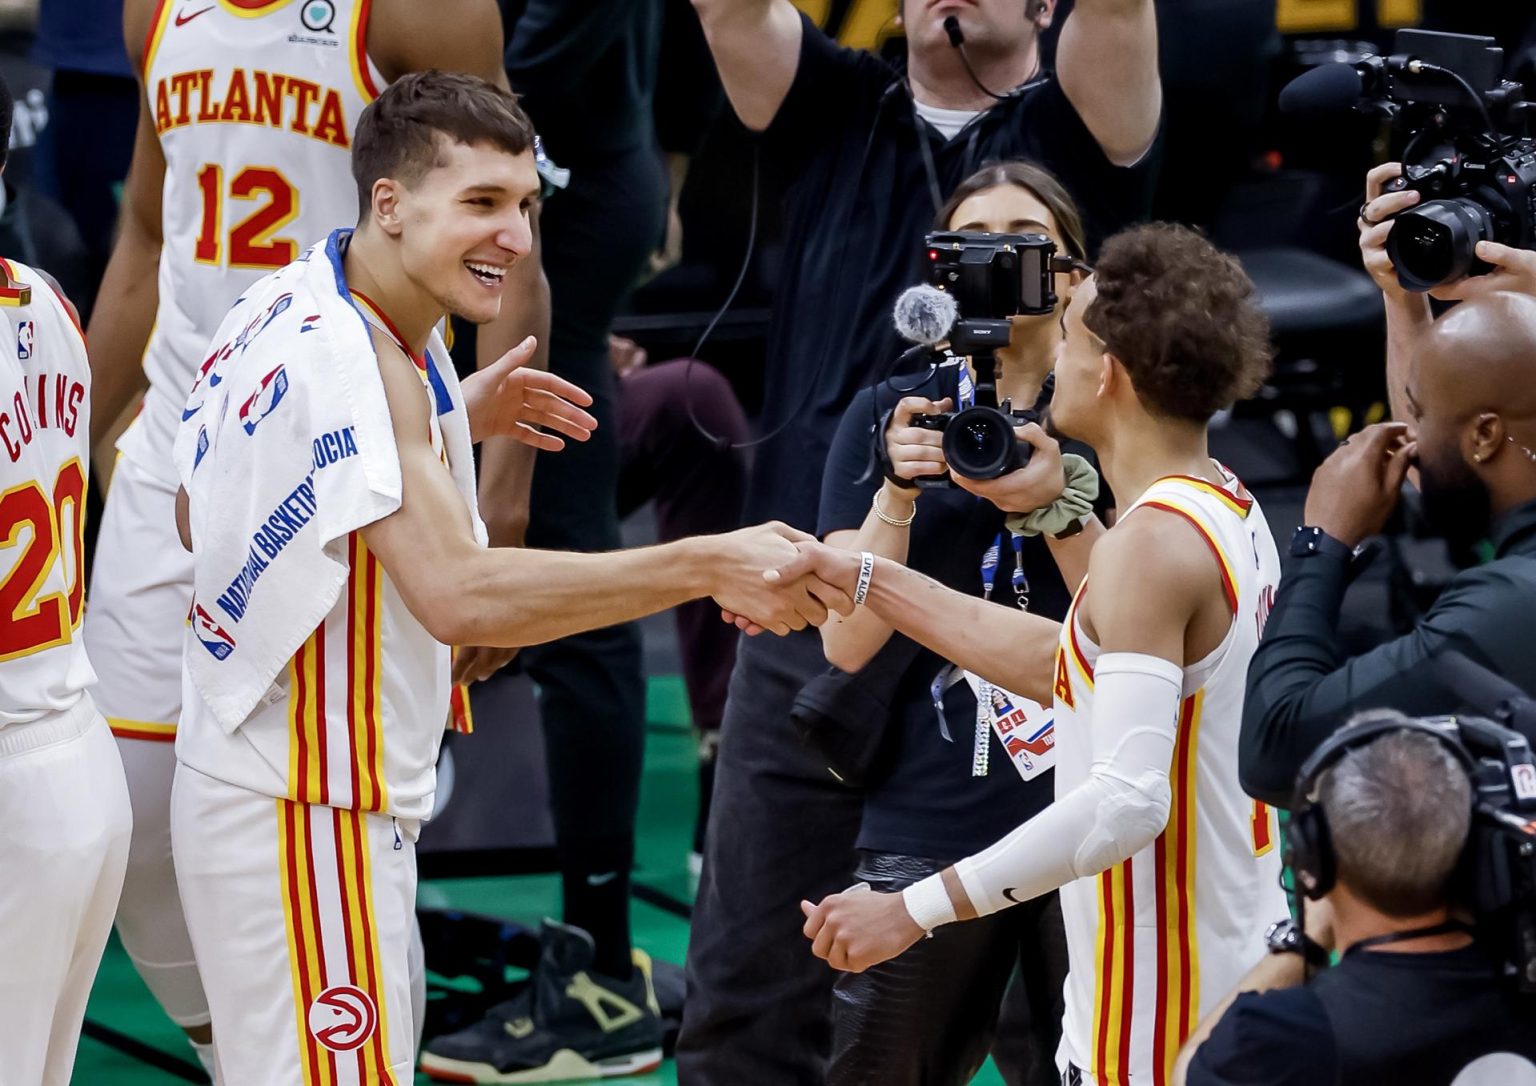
1382	814
866	152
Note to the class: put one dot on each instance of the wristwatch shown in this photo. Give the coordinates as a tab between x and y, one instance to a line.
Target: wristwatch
1309	541
1286	937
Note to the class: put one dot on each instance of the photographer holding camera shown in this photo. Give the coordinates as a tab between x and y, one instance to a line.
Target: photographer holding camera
946	784
1455	221
1383	813
1145	676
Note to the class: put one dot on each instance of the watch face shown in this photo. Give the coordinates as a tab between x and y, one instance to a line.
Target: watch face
1281	935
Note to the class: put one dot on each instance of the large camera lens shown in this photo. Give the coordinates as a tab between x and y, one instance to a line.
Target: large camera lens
979	443
1437	242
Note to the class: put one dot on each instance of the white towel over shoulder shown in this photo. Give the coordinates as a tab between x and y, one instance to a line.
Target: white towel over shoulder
286	447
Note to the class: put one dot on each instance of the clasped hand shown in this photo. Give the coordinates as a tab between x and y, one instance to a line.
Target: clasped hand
753	601
915	452
858	928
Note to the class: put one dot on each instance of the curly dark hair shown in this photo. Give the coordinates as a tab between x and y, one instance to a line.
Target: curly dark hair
1181	316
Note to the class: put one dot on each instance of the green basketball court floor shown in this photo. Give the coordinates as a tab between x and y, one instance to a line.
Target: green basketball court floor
129	1042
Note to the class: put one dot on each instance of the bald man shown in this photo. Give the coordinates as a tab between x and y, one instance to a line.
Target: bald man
1467	391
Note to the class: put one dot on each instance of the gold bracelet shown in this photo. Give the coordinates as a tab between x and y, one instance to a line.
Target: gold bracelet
892	521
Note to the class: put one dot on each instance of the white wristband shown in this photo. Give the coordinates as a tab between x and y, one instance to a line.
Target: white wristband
928	903
866	571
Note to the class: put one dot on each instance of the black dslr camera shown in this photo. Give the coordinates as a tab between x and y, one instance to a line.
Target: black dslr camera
1477	181
993	277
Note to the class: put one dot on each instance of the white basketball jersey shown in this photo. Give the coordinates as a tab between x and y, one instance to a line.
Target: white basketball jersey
356	719
45	427
255	104
1155	942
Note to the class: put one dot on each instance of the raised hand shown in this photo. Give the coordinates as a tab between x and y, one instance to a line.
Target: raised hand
1375	223
507	400
1513	270
1355	490
914	451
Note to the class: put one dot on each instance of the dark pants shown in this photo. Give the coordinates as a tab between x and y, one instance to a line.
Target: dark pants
781	830
697	486
597	235
929	1016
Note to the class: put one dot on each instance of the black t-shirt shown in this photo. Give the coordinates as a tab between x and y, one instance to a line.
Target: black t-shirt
1377	1017
929	804
856	209
586	73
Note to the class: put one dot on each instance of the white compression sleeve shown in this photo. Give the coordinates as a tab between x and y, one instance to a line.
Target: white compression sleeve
1116	812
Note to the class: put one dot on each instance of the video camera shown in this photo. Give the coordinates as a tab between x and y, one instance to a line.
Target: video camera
1499	883
1476	179
992	277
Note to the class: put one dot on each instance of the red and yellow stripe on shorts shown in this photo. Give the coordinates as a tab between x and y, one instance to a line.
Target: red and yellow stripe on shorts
335	717
340	1012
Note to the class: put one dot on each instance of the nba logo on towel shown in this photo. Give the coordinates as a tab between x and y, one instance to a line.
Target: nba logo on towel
264	400
213	636
25	331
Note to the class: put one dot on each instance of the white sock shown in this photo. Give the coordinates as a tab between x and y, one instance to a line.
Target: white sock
205	1057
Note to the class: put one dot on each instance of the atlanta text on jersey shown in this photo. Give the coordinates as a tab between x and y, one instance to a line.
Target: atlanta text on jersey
260	98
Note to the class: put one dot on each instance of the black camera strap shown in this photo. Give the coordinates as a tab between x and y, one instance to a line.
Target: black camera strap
1446	928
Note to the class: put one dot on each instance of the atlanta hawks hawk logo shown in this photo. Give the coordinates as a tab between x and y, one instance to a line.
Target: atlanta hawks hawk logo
342	1017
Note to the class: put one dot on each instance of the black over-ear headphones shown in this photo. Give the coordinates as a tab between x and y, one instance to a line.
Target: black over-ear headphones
1309	844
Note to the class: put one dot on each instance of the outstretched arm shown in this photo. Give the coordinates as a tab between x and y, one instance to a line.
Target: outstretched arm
1005	646
1122	100
465	594
1118	810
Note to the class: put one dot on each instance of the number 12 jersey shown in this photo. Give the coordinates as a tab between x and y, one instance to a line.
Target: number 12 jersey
254	104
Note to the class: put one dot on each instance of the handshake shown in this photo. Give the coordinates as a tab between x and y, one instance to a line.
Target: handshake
775	578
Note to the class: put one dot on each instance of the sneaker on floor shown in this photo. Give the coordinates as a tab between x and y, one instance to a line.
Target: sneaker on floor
569	1023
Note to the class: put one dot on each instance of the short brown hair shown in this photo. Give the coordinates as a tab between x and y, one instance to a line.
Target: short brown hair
1182	317
1037	181
397	135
